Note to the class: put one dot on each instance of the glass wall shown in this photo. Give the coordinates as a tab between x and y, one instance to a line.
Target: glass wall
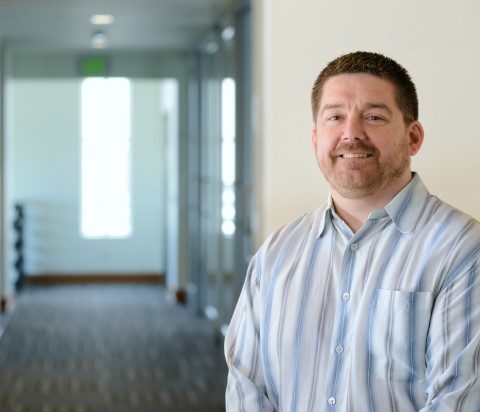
219	132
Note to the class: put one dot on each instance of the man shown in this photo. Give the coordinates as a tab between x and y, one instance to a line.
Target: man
371	302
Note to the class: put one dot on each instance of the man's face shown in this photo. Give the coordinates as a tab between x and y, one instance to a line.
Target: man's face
360	139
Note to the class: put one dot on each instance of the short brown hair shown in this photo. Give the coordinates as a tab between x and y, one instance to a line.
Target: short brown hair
377	65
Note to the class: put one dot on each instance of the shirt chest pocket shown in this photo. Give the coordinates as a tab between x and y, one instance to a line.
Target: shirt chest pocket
397	335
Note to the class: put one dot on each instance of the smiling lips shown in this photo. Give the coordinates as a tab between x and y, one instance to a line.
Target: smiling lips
355	155
356	151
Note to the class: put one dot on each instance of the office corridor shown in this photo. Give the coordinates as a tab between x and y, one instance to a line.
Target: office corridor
108	347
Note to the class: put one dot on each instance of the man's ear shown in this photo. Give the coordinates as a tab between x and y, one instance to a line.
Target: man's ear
314	138
416	134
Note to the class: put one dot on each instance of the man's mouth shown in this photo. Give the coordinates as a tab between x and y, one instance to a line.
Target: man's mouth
355	155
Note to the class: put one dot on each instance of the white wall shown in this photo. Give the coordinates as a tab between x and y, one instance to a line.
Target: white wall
44	174
438	43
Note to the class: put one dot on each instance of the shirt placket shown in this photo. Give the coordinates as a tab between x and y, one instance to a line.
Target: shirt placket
340	348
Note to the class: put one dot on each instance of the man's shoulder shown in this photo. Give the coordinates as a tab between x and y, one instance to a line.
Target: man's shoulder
295	233
282	248
454	217
454	227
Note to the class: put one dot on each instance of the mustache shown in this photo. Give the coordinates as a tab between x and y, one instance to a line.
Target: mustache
356	148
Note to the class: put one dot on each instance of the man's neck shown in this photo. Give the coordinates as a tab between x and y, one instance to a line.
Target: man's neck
355	211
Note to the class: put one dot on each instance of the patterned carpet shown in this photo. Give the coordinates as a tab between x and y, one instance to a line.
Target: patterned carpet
105	348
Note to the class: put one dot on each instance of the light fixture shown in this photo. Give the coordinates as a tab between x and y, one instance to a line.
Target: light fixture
211	47
102	19
228	33
99	40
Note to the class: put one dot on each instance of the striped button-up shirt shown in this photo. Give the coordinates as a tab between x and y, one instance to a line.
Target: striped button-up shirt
384	319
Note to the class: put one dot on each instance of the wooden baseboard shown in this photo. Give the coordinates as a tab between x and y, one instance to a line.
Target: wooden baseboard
95	278
177	295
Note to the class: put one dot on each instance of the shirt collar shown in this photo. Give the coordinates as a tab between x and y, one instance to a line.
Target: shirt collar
325	216
405	209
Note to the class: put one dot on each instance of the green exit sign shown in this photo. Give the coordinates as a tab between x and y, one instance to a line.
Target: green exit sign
94	66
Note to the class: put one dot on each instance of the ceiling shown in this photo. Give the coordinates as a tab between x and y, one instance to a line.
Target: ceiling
146	25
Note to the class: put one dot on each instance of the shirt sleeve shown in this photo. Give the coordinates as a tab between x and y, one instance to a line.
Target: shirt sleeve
453	347
246	389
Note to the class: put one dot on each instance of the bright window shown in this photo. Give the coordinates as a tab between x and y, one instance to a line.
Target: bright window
105	158
228	157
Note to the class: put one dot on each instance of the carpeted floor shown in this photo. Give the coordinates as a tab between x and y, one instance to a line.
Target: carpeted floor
105	348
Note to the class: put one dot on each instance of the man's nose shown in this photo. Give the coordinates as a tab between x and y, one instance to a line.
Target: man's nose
353	129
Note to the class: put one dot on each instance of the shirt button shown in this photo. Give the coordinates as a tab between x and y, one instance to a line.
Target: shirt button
346	296
354	247
331	401
339	349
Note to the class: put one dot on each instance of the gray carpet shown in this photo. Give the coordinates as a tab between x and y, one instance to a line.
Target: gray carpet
104	347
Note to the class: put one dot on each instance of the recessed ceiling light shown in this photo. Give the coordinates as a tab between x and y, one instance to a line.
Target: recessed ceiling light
211	47
99	40
102	19
228	33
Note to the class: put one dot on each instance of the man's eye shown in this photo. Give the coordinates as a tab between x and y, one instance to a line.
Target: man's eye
374	118
334	118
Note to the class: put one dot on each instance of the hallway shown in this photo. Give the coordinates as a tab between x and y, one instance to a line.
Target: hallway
108	347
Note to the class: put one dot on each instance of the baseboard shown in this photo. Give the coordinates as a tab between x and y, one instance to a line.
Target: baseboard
95	278
176	295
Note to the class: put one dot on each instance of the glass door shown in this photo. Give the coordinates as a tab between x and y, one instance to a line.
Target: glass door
218	183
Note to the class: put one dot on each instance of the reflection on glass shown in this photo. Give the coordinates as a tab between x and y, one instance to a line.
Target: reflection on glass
228	156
